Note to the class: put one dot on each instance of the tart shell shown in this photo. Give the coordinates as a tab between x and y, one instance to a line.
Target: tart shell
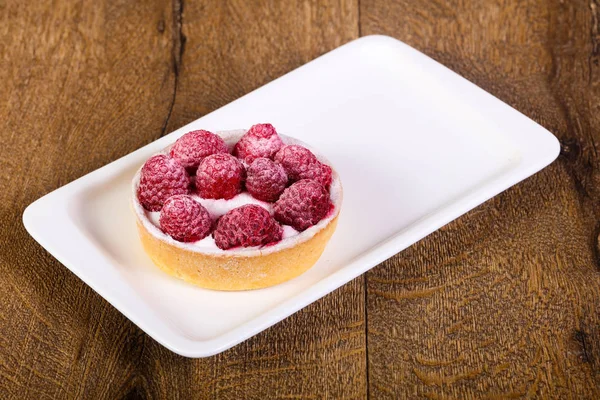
239	269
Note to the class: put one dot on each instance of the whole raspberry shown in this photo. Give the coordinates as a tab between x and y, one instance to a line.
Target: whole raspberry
161	177
261	140
184	219
295	160
220	176
318	172
247	226
301	163
192	147
302	205
266	180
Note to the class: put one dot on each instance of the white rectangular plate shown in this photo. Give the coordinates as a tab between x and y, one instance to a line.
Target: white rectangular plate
415	144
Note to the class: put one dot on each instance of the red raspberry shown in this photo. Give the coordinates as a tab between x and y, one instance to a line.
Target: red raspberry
261	140
161	178
192	147
301	163
318	172
295	160
220	176
184	219
247	226
302	205
266	180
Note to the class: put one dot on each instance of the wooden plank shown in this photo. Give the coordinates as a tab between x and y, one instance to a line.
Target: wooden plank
504	301
231	48
83	83
87	82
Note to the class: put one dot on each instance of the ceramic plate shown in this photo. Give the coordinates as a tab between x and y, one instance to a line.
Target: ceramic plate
415	144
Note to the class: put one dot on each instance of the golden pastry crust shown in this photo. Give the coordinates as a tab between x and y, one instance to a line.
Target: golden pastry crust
235	272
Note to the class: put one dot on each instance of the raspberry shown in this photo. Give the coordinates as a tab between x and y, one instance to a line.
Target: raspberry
161	178
220	176
295	160
266	180
261	140
192	147
302	205
318	172
301	163
247	226
184	219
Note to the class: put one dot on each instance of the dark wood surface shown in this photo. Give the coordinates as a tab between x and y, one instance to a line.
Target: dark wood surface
502	303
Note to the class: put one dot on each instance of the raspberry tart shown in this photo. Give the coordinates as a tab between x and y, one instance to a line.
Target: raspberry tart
236	210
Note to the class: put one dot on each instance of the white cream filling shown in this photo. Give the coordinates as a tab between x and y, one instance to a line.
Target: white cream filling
219	207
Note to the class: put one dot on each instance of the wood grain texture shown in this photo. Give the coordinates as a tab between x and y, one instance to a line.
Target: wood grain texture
83	83
234	47
88	82
504	302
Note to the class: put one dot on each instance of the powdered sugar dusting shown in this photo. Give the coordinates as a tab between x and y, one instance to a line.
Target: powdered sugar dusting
261	140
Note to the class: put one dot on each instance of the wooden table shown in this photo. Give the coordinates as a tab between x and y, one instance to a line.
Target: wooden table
502	303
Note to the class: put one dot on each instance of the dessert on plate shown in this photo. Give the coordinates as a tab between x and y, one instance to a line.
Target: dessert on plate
236	210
